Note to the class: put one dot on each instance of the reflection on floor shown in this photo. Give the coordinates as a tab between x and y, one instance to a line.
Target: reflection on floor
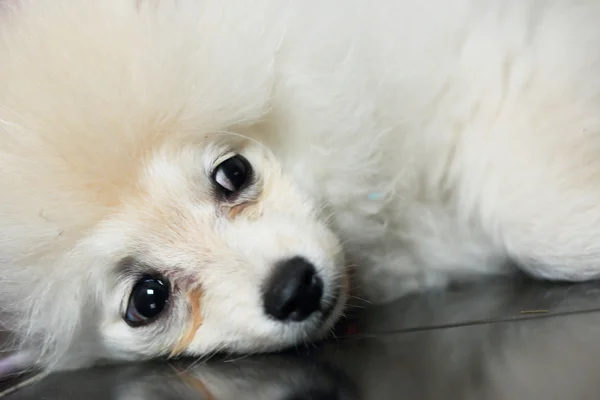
495	340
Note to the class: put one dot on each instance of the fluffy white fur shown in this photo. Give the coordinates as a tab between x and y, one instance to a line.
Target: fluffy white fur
433	140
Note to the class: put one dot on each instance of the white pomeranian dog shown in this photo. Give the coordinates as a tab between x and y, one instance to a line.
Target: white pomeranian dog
182	177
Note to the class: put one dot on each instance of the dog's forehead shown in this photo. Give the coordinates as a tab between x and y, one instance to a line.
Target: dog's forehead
172	240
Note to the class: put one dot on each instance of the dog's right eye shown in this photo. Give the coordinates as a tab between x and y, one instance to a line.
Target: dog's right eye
147	300
232	175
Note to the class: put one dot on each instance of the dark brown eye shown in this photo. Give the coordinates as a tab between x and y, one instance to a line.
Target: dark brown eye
232	175
147	300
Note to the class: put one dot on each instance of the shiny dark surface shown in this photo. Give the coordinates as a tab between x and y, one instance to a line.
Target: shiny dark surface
510	339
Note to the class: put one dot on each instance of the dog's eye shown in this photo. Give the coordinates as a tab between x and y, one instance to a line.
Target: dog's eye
147	300
232	174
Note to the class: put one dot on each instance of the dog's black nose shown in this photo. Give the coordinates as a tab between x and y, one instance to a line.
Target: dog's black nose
294	291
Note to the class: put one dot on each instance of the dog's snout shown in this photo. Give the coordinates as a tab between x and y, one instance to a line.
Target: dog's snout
293	291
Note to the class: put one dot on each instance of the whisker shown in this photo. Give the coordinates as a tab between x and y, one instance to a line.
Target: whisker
360	299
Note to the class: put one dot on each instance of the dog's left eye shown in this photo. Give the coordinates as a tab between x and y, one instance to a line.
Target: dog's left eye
147	300
232	175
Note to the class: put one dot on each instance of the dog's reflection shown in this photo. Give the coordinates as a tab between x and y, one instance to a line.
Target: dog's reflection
271	377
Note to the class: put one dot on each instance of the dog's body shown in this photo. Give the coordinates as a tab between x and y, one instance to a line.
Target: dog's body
434	141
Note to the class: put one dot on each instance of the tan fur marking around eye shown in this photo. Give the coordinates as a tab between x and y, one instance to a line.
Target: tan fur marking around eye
194	298
249	209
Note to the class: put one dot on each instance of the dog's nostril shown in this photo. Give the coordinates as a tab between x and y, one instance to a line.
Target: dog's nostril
294	291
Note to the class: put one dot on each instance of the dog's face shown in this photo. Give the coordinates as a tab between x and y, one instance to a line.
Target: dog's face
130	229
213	250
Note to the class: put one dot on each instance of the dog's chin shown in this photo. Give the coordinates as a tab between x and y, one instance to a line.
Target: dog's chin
331	315
335	312
329	322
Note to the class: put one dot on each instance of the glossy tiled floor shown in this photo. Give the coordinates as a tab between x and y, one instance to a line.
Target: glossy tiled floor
511	339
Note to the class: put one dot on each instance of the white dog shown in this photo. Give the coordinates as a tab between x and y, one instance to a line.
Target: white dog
191	176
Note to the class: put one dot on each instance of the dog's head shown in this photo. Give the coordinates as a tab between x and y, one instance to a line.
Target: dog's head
215	249
133	227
